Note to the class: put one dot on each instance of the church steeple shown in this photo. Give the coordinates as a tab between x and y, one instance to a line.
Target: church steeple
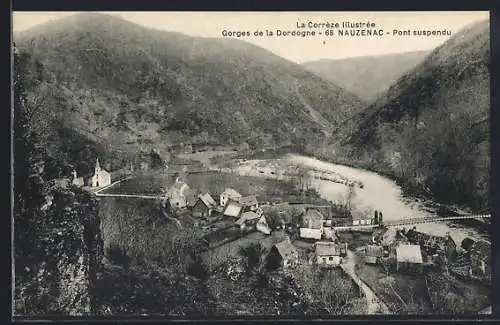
97	166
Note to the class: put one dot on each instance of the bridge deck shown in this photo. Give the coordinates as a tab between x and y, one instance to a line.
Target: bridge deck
413	221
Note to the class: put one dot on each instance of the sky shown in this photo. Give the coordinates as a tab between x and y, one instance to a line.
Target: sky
293	48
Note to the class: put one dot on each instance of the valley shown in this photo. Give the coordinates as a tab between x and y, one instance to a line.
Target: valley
161	174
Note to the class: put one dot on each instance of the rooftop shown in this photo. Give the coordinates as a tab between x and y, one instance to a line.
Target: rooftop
286	249
310	233
327	248
313	214
233	209
250	215
231	193
208	200
409	254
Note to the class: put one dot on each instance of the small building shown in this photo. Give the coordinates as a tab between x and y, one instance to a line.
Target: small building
233	209
327	253
249	203
313	219
179	195
409	258
229	194
373	253
263	226
101	177
308	233
77	181
283	254
204	206
248	220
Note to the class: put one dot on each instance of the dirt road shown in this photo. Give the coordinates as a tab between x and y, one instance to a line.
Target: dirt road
374	304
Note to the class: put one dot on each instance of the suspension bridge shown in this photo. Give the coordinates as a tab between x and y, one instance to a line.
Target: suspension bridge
414	221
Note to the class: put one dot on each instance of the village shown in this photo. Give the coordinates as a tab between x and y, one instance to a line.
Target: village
320	235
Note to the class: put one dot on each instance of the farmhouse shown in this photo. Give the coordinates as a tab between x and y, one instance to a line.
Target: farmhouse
77	181
179	195
327	253
263	226
283	254
204	206
248	220
229	194
249	203
233	209
372	254
409	258
101	177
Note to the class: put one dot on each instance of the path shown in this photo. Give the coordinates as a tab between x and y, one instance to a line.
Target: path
374	304
97	192
177	222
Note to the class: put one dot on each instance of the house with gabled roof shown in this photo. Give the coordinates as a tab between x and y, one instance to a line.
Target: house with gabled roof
204	206
248	220
327	253
373	253
283	254
409	258
263	226
229	194
249	203
233	209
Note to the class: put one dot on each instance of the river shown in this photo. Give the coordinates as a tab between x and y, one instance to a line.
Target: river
378	192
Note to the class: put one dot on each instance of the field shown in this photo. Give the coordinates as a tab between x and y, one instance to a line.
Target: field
214	182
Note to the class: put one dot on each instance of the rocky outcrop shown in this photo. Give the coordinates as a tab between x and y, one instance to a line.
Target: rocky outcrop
61	281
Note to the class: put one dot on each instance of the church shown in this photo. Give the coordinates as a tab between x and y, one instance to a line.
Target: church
101	176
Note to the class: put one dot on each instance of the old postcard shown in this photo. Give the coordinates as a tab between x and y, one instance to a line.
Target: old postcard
239	164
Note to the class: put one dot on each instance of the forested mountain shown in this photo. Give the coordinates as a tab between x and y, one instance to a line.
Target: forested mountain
369	76
431	129
116	87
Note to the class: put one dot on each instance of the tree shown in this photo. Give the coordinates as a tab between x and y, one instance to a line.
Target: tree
252	257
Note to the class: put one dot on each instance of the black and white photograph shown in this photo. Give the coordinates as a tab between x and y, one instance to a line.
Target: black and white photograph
205	165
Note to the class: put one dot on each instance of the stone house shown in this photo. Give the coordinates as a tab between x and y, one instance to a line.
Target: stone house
229	194
249	203
327	253
283	254
263	226
373	253
233	209
204	206
248	220
409	259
